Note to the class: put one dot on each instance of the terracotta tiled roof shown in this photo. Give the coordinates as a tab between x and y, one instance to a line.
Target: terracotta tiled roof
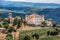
34	15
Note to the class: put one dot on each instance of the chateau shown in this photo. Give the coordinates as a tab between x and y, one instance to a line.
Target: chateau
34	19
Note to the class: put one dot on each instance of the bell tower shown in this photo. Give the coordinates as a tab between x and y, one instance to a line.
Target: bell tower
10	17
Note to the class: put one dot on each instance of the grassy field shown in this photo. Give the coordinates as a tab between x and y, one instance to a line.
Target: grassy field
42	33
50	38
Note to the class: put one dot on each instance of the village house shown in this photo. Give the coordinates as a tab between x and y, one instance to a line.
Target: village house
49	22
34	19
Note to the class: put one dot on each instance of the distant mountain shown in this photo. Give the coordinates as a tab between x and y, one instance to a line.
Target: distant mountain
27	4
54	14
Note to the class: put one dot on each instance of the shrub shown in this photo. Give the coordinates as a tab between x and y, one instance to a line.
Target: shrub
10	29
0	25
54	25
14	30
36	36
53	33
6	26
48	33
26	38
9	37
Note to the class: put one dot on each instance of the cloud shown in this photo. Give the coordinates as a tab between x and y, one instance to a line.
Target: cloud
38	1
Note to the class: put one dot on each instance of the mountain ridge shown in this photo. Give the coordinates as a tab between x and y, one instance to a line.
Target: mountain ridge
28	4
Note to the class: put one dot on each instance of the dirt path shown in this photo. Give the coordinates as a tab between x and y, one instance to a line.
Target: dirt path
2	36
29	28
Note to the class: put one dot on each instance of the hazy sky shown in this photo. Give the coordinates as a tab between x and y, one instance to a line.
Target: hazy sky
38	1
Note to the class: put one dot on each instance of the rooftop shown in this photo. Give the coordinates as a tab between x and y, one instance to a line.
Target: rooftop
34	15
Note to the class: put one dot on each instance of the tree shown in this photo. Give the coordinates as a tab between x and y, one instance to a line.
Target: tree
6	26
44	23
48	33
21	20
36	36
53	33
26	38
58	30
8	21
25	23
15	22
0	25
10	29
19	24
1	18
54	25
5	20
9	37
14	30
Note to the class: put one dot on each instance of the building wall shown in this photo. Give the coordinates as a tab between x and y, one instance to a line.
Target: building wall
37	21
34	19
49	23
